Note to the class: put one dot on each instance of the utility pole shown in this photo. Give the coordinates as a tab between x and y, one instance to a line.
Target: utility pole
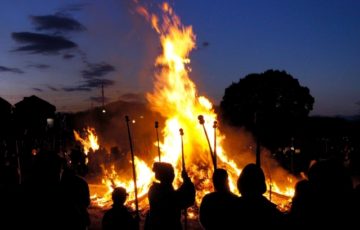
103	98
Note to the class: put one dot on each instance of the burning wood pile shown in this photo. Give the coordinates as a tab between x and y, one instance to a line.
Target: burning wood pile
175	97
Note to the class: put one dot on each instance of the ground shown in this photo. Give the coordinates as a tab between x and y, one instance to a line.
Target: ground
97	213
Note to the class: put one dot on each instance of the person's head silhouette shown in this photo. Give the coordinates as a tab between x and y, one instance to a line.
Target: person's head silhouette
220	180
119	196
164	172
251	181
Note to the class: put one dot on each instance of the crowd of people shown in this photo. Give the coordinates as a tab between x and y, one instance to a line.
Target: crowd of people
54	196
323	200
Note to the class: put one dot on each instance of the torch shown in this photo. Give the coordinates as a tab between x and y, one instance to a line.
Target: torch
133	169
182	149
184	169
215	155
157	136
202	122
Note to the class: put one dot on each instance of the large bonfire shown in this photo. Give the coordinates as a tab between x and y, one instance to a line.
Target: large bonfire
175	97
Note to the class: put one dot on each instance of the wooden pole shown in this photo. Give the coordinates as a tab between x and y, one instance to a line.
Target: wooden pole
215	154
184	169
182	149
202	122
157	136
134	171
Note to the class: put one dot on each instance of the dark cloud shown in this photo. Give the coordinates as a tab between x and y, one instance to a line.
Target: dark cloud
92	79
37	89
90	84
12	70
53	88
68	56
99	99
96	83
132	97
76	88
97	70
39	66
42	43
56	23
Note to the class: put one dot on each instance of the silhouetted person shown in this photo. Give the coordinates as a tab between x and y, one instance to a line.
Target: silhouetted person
46	169
118	217
75	200
218	209
332	194
254	210
42	196
165	202
78	160
301	206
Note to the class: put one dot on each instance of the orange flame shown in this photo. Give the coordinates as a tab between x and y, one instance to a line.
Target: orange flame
90	141
175	97
112	180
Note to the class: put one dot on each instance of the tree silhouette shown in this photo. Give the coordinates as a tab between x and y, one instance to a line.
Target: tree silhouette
273	104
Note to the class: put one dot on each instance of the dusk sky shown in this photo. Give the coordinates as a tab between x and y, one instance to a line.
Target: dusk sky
62	50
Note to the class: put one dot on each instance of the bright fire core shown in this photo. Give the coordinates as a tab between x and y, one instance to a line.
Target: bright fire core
175	98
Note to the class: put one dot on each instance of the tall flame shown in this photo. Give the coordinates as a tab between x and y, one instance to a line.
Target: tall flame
175	97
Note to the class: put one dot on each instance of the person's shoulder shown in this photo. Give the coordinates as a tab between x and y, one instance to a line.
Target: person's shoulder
242	202
125	209
233	195
108	213
155	186
210	195
268	202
